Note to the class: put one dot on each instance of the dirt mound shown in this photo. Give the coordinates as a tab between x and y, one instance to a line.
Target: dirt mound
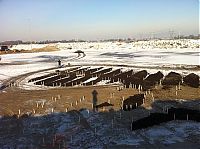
133	102
155	78
172	78
192	80
133	80
136	79
44	49
141	74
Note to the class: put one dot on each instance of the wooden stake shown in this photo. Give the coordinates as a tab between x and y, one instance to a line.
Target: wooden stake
79	119
112	123
149	91
43	140
71	139
52	110
42	104
95	130
139	87
37	104
88	113
152	97
131	125
126	107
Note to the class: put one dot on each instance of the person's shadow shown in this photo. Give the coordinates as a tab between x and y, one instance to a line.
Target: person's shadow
94	100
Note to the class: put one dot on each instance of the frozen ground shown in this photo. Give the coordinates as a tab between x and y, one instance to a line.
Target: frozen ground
144	54
100	128
94	132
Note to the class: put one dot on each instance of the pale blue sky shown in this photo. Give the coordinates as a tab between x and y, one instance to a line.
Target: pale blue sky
95	19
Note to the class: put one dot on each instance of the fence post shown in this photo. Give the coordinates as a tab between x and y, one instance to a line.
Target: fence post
152	97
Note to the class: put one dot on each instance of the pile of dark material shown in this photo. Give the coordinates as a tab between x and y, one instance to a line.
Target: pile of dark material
133	102
184	114
173	114
172	78
103	105
78	75
122	76
155	78
151	120
191	80
136	79
152	80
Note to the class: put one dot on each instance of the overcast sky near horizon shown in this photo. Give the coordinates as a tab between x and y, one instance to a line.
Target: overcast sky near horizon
96	19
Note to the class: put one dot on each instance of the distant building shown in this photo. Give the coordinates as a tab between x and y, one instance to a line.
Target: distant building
4	48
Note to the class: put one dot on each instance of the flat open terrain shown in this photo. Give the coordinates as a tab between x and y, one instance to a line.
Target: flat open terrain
59	104
14	98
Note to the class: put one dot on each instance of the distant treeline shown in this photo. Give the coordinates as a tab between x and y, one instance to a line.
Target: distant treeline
106	40
38	42
188	37
11	42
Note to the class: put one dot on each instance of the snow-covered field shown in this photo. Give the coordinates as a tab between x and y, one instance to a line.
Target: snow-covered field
100	133
142	54
103	128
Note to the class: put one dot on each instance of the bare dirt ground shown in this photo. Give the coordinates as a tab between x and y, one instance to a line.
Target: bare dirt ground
45	49
58	100
13	98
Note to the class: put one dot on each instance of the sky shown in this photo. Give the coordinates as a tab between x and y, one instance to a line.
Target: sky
96	19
